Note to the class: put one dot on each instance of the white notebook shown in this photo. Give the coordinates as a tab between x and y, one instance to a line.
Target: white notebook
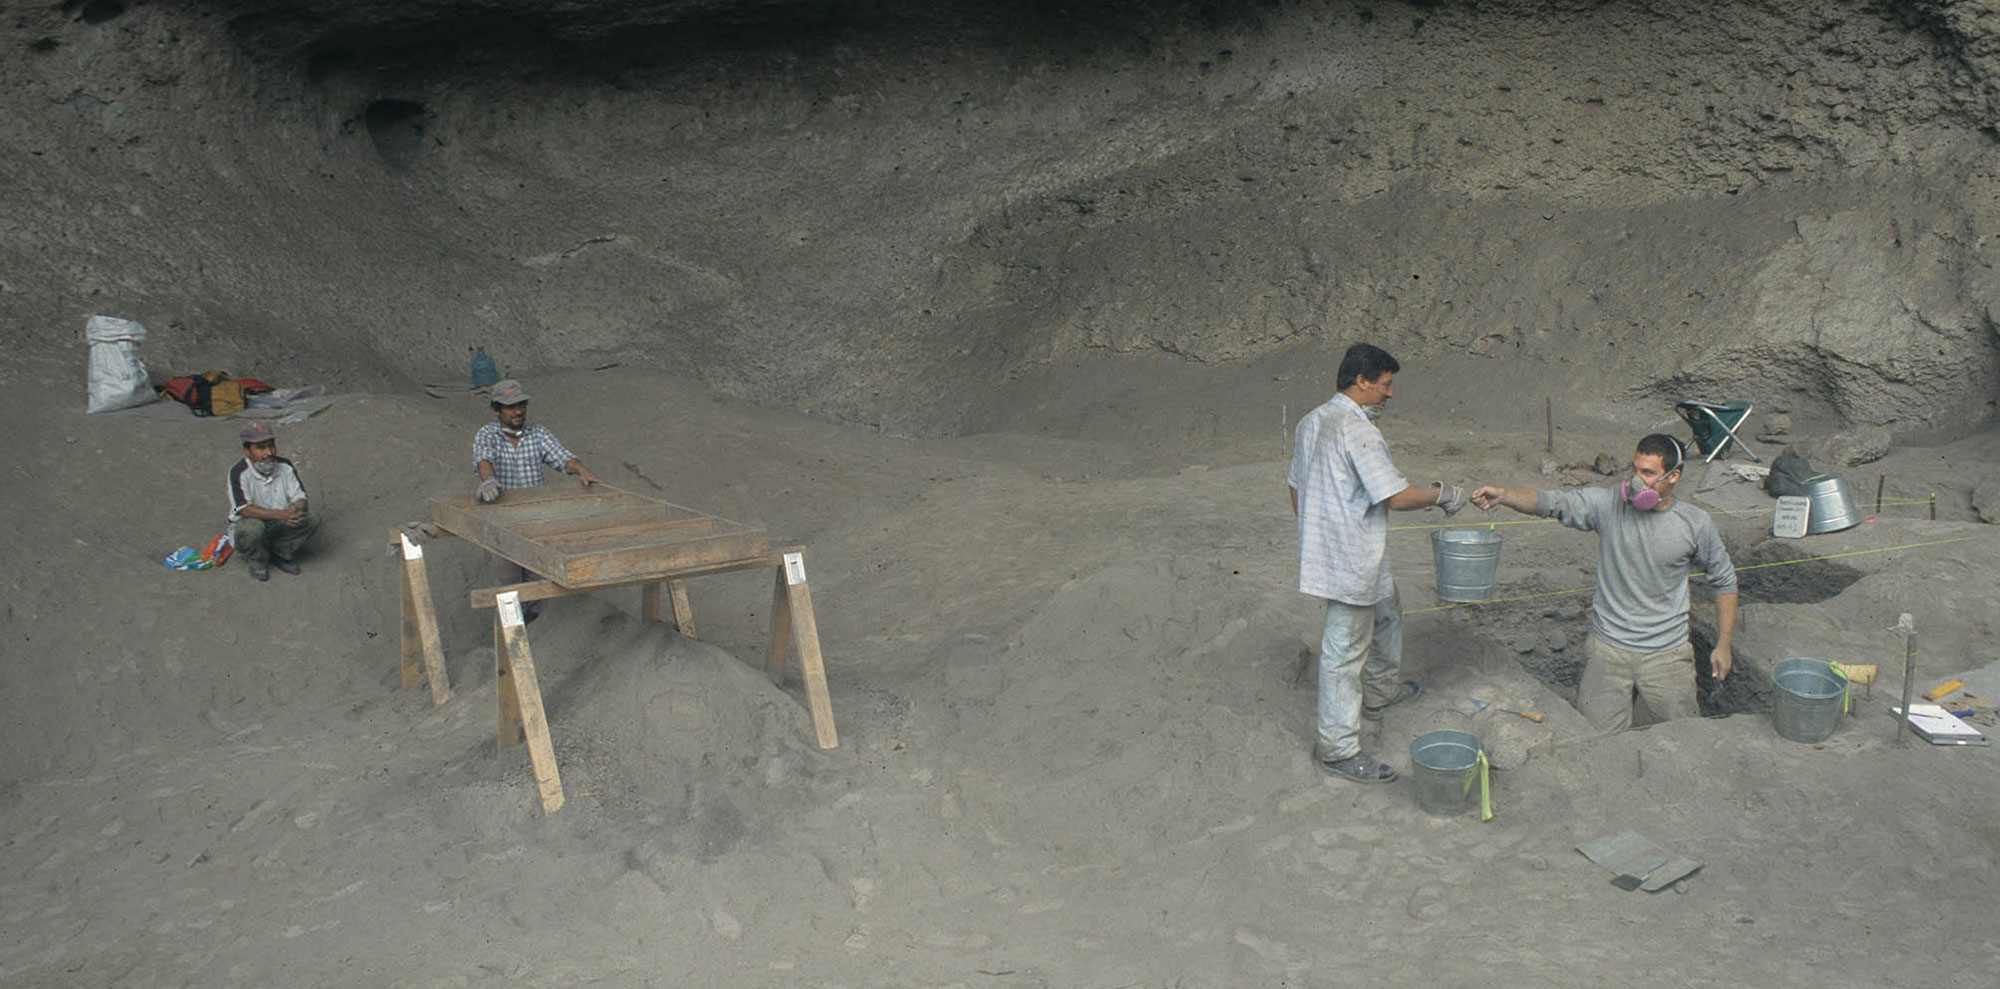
1939	726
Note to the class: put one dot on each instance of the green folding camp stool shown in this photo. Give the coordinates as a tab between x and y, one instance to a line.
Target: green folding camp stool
1715	425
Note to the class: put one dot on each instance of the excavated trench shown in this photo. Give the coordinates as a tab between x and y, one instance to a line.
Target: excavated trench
1785	581
1549	645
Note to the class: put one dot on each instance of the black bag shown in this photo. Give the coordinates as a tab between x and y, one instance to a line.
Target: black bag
1788	475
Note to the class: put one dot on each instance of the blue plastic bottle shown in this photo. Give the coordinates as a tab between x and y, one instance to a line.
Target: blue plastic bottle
483	371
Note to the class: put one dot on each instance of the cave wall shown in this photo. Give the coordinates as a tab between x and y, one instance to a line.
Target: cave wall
863	210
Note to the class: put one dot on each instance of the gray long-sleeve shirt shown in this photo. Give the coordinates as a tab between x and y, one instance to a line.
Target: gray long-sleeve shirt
1643	562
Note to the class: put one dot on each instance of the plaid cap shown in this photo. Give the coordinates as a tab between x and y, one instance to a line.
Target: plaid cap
256	432
509	392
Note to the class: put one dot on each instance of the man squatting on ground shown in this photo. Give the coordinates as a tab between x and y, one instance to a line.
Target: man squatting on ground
1343	488
268	521
1648	542
509	455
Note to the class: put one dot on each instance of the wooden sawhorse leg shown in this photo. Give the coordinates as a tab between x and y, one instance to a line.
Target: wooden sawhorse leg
420	629
520	699
792	620
649	605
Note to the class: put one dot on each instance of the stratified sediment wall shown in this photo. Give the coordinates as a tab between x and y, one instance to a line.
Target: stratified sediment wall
863	210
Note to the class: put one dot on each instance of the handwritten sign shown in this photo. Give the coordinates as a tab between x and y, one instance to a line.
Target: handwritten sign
1789	521
795	568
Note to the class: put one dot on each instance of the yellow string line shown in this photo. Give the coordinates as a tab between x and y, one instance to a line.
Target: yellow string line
1859	552
1711	511
1753	566
1470	525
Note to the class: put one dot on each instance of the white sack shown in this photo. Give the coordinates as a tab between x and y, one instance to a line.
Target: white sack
118	378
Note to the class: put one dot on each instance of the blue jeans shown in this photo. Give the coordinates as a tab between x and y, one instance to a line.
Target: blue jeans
1354	633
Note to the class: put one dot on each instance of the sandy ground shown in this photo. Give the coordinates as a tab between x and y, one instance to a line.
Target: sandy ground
1065	662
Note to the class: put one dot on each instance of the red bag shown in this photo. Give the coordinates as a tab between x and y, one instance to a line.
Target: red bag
218	550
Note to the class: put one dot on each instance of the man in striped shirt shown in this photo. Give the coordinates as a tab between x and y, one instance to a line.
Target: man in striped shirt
1343	488
268	520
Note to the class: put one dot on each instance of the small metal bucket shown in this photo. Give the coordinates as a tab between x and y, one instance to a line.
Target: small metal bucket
1832	504
1467	562
1807	698
1445	766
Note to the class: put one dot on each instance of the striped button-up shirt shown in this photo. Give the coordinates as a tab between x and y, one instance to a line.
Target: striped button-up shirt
1342	473
518	465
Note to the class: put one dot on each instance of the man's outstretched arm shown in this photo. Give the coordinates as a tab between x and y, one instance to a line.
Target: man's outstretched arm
1523	500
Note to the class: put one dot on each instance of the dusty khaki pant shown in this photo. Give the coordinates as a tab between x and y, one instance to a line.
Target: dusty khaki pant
1664	682
261	539
1360	662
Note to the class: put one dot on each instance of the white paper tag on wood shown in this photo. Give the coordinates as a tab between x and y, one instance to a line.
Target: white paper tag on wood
509	603
1789	521
411	551
795	568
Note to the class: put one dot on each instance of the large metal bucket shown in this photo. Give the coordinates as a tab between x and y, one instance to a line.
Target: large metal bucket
1467	562
1832	504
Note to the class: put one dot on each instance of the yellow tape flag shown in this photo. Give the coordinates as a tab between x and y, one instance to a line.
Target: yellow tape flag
1485	788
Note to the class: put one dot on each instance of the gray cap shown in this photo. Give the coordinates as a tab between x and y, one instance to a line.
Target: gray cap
255	432
509	392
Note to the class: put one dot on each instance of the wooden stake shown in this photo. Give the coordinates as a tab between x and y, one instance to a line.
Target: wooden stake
417	603
527	692
1880	479
781	630
805	631
1934	506
506	700
413	648
1549	416
683	611
1909	677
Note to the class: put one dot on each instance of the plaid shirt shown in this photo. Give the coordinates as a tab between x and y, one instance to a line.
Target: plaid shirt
1341	470
518	465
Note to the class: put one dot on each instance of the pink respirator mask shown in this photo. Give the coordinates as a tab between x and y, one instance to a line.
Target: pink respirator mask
1643	498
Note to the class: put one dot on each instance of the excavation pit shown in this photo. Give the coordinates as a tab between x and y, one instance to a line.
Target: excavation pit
1787	582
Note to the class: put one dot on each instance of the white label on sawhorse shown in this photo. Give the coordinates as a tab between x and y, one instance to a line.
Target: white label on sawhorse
411	551
795	568
1789	521
509	603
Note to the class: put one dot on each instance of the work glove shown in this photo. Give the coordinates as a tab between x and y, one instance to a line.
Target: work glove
489	491
1450	497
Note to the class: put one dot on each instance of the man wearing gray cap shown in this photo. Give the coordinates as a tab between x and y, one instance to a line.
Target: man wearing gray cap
509	454
268	520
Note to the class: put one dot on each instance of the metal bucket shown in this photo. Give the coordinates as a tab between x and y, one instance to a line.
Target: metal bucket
1832	504
1445	768
1467	560
1807	699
